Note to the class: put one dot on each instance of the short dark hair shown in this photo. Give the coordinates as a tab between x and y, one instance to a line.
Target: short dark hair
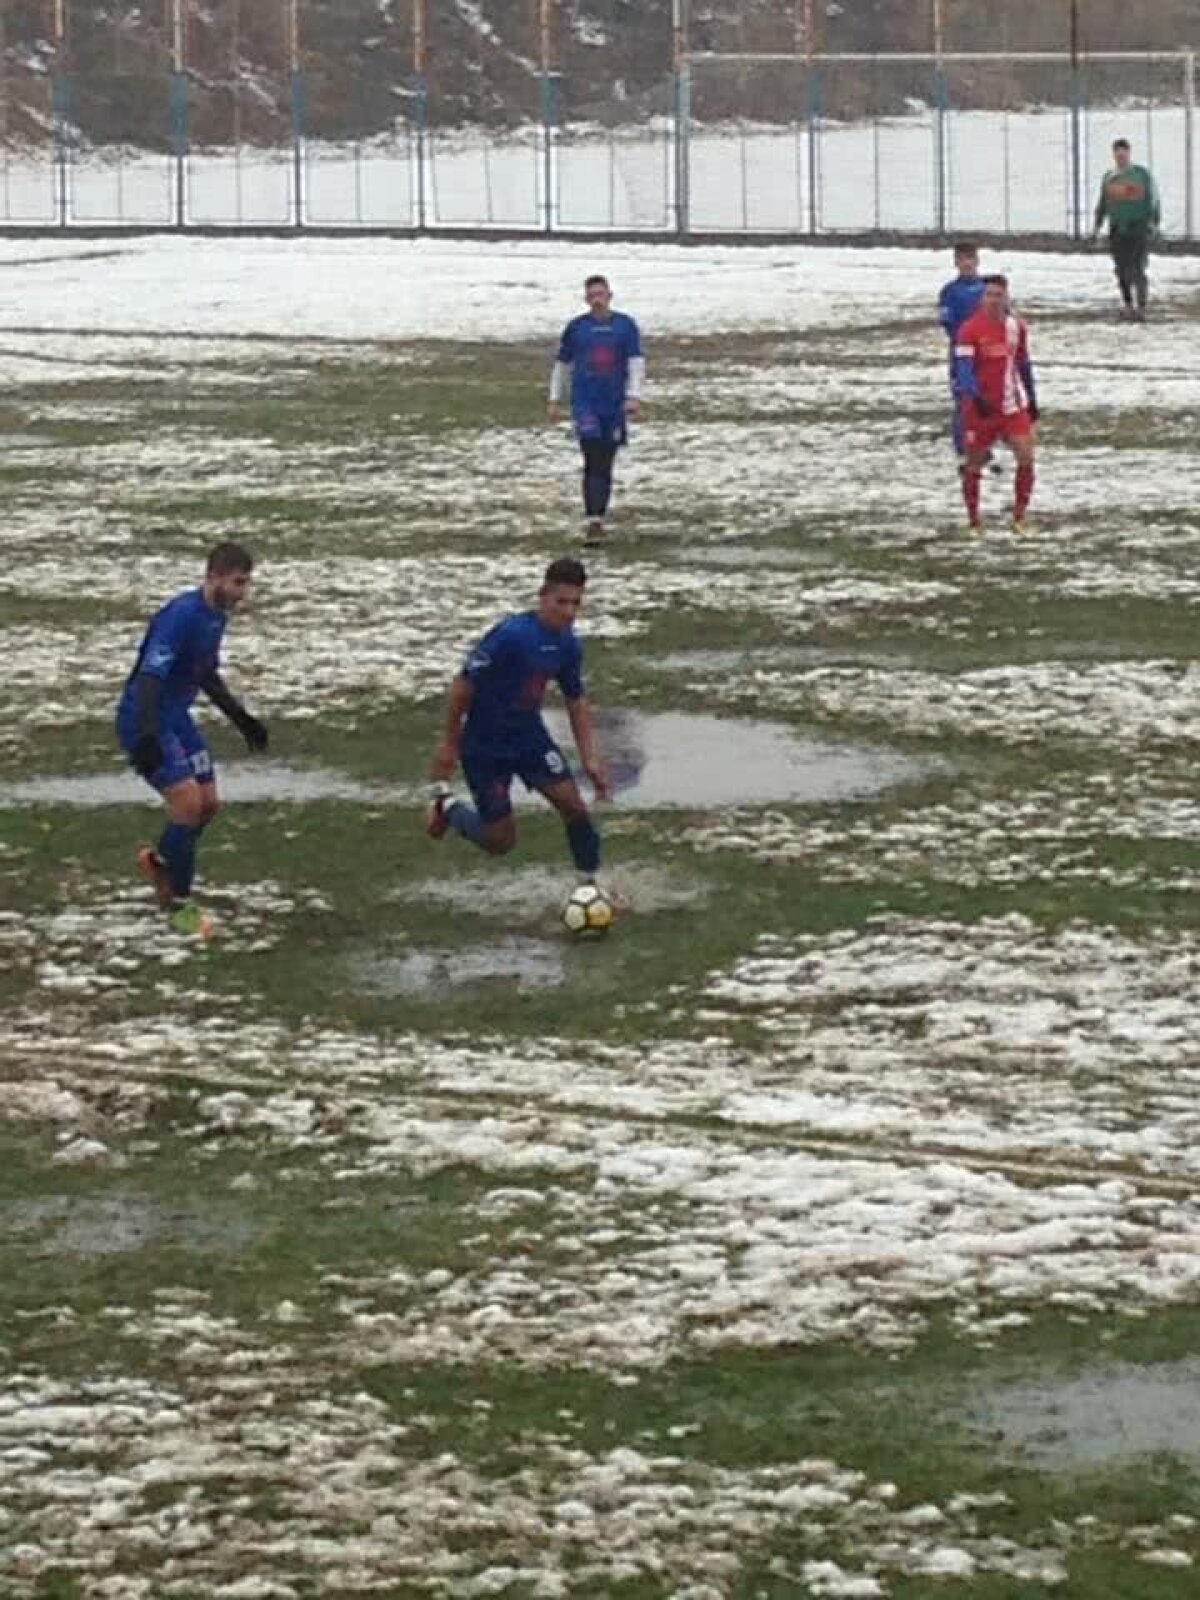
565	570
1122	144
965	247
594	278
229	557
997	278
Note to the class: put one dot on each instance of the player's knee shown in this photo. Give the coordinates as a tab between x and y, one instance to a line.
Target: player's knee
210	804
499	839
186	805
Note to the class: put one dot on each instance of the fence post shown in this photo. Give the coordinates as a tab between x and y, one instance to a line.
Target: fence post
814	145
297	148
297	86
421	86
60	96
550	124
1076	156
549	99
939	124
1189	145
940	151
812	96
681	50
179	112
1076	219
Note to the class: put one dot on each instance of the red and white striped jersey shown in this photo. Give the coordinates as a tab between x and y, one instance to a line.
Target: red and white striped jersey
996	355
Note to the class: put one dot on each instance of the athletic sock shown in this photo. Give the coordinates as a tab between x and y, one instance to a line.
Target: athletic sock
1023	491
971	481
958	432
466	820
177	847
584	841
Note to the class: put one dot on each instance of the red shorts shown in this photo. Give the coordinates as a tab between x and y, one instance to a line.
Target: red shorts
983	432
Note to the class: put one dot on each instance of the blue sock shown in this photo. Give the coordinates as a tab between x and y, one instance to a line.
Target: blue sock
466	820
585	844
177	847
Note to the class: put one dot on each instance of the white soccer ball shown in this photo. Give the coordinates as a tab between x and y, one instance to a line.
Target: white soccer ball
589	912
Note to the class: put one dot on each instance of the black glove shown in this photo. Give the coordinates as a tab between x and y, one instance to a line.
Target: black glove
147	755
1034	410
982	406
253	731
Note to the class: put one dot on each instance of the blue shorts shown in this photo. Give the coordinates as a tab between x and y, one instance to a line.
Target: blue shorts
601	428
185	754
489	774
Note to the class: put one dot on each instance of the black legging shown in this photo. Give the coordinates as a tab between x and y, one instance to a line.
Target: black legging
598	458
1130	247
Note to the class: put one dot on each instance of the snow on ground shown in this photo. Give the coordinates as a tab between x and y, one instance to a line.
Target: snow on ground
1120	705
1061	834
892	1179
310	289
583	1522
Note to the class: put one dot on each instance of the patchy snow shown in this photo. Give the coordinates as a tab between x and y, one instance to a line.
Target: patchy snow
1066	832
311	289
839	1135
357	1493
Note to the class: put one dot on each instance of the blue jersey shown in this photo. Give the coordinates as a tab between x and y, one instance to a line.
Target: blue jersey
182	646
510	669
599	351
959	299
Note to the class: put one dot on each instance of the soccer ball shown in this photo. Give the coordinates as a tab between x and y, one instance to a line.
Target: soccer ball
589	912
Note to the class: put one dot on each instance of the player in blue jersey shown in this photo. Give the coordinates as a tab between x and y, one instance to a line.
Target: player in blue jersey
494	726
179	657
959	299
601	352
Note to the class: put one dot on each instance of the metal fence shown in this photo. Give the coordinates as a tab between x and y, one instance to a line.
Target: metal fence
427	114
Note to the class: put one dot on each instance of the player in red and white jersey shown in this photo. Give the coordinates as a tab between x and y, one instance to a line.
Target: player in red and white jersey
995	377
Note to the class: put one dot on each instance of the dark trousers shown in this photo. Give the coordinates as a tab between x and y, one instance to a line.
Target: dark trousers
1130	248
598	458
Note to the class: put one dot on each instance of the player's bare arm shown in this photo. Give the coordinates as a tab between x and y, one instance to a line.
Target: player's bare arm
446	756
579	714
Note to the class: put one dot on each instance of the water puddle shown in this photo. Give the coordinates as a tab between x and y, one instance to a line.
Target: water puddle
522	964
657	760
242	783
532	893
118	1224
675	758
1108	1414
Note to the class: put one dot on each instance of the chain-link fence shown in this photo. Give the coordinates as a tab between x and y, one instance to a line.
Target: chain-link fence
540	115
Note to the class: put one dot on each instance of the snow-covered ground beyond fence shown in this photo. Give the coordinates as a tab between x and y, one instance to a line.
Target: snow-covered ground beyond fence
1004	172
425	289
